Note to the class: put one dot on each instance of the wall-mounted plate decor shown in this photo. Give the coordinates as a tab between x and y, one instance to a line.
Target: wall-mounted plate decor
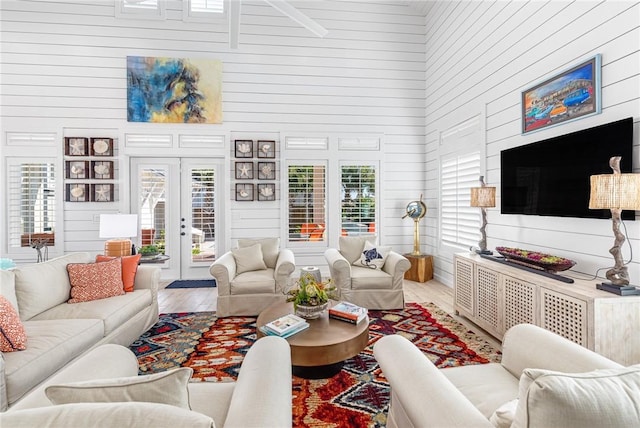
101	147
102	170
77	192
266	170
244	148
244	192
77	169
244	170
102	192
266	192
76	146
266	149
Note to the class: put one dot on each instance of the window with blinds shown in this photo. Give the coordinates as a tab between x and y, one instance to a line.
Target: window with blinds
31	203
460	223
206	6
358	199
307	203
203	203
149	9
151	206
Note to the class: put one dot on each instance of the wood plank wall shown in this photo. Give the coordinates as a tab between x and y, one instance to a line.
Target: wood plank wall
481	55
64	68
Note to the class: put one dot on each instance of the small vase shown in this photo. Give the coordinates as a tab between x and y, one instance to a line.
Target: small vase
311	312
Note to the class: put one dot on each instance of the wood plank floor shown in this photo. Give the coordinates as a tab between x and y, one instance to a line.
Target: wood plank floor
204	299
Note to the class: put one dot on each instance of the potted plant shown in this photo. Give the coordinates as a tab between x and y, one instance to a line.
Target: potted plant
149	250
310	297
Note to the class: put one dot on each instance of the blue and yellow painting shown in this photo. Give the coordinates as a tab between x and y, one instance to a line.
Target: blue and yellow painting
174	90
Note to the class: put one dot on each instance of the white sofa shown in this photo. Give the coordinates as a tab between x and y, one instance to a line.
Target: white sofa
58	332
565	393
261	396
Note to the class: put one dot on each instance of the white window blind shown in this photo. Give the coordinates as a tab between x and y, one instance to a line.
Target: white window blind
460	223
307	202
31	202
147	9
206	6
358	199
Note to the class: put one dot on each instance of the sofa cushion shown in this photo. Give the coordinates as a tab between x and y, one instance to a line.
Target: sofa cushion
351	247
364	278
113	312
373	256
270	249
52	344
106	415
248	259
8	288
504	415
255	282
168	387
129	269
94	281
608	397
12	334
44	285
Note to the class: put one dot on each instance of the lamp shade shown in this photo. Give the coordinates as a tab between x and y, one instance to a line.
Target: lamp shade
615	191
118	225
484	197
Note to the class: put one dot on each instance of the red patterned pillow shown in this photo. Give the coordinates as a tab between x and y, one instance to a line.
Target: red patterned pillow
93	281
129	268
12	334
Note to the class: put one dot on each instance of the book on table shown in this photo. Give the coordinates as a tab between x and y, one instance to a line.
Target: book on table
345	311
300	328
286	324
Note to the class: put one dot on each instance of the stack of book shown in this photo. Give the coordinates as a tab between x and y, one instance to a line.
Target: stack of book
285	326
345	311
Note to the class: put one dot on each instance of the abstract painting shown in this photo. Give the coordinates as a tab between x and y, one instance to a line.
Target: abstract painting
174	90
569	95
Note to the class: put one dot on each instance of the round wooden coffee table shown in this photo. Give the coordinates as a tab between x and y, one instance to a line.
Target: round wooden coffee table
319	351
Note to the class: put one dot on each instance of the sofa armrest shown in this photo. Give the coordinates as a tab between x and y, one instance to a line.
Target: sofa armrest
148	277
530	346
396	265
339	269
4	401
224	270
414	379
262	395
285	266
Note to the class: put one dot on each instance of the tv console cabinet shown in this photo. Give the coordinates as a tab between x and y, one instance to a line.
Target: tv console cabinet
496	297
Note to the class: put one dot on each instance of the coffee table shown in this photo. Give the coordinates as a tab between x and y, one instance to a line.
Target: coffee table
319	352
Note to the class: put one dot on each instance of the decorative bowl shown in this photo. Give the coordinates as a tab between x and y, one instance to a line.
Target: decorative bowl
310	312
539	260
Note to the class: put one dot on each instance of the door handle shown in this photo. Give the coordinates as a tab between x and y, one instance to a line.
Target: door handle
182	233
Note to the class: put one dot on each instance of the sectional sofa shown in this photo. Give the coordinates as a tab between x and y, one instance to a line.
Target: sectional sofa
59	332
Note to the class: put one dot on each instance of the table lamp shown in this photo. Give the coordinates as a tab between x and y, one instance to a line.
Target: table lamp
119	226
483	197
616	192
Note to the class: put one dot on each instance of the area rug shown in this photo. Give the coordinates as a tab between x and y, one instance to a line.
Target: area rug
192	283
358	396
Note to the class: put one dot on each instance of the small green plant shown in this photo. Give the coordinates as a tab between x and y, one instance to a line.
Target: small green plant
308	292
149	250
195	251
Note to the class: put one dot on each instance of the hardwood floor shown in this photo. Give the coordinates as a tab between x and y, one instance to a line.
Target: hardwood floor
204	299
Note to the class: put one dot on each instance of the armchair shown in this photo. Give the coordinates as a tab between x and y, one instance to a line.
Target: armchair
485	395
252	277
364	285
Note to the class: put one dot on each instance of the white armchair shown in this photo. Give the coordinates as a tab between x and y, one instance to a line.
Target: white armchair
252	277
484	395
365	285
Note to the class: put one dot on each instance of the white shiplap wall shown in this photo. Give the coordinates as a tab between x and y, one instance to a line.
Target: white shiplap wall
481	55
63	68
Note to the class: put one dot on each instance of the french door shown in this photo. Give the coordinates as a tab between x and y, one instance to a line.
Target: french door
176	200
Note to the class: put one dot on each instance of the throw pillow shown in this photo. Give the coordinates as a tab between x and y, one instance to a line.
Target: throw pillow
169	387
270	249
248	259
12	334
93	281
373	256
609	397
351	246
129	269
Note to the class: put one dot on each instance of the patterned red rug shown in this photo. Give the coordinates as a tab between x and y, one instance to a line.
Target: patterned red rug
358	396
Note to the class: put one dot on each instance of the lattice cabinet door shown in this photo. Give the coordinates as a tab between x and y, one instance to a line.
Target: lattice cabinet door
520	299
488	300
463	297
564	315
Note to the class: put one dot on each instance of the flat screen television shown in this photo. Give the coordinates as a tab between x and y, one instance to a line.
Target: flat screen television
551	177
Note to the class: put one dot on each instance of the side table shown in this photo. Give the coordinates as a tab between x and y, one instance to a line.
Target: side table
421	269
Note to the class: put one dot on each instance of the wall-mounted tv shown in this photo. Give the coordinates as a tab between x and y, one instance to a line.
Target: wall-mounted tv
551	177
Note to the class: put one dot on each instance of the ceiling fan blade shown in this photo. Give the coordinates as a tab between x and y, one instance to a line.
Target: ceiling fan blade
285	8
234	23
